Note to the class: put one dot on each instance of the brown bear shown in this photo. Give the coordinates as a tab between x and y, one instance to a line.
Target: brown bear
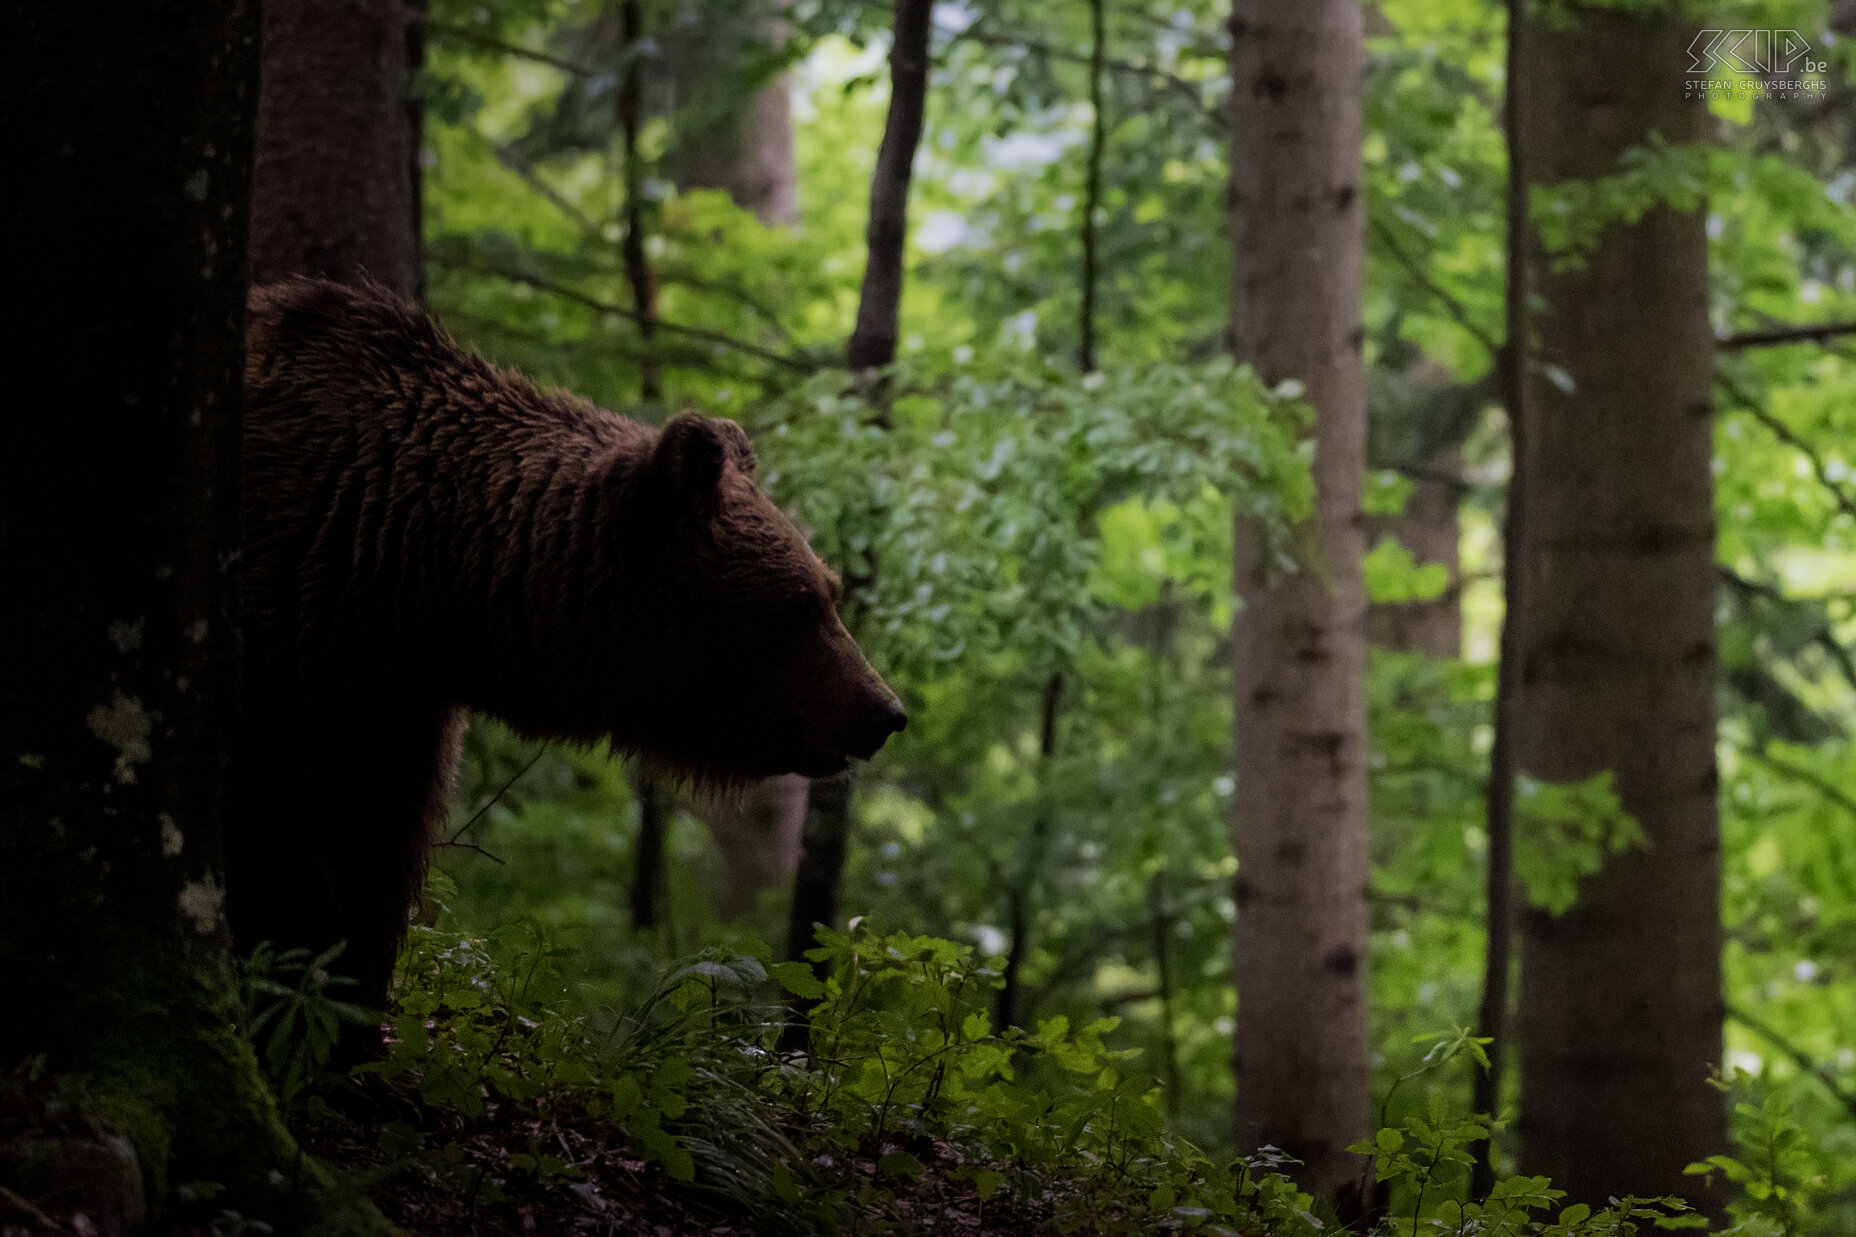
427	534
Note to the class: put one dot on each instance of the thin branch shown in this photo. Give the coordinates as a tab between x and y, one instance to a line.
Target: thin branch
496	859
734	290
482	326
1192	91
492	801
492	43
1824	637
1831	792
1796	334
1092	183
541	284
1805	1061
1785	434
1455	308
513	159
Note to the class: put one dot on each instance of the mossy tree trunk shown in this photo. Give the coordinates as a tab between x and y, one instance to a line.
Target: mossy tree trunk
119	639
1620	1004
1300	944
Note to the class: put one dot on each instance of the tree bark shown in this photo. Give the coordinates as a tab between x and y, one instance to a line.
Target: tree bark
879	305
873	346
1430	529
1498	818
729	138
1300	944
1620	1006
333	190
757	838
119	517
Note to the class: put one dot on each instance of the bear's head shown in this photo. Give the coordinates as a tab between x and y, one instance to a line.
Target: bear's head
745	670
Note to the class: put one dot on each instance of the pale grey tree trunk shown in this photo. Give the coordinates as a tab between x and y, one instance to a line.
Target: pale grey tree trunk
1300	943
748	154
1620	1007
734	128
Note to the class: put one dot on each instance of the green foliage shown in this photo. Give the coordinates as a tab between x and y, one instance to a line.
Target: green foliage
1779	1178
291	1017
1015	520
1565	831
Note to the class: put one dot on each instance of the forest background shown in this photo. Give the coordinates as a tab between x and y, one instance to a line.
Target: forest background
663	205
1117	853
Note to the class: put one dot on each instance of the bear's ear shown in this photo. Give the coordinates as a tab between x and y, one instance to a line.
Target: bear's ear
692	452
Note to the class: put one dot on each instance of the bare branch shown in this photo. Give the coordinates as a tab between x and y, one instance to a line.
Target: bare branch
492	802
1798	773
1785	434
489	42
1824	636
1458	312
797	364
1767	337
1809	1064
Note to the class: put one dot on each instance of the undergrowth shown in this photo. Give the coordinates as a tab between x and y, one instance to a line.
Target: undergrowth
906	1106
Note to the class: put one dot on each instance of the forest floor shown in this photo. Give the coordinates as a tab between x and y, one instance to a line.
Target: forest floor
512	1173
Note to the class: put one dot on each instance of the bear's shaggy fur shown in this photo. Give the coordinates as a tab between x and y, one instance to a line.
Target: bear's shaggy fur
426	534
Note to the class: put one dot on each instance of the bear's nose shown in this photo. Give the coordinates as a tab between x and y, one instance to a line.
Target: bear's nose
890	716
883	716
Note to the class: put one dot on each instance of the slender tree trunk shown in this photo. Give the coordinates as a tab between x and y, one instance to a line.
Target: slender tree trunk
654	799
1300	943
648	856
1620	1007
119	509
872	346
1430	529
334	191
1023	893
1092	184
742	144
879	305
1498	955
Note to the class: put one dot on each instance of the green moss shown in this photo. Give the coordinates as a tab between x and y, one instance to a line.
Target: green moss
160	1060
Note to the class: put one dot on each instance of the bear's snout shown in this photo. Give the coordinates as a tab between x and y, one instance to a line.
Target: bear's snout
883	716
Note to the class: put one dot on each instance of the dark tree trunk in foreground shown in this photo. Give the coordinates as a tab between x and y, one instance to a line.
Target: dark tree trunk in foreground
872	346
118	642
1300	943
1620	1009
333	190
